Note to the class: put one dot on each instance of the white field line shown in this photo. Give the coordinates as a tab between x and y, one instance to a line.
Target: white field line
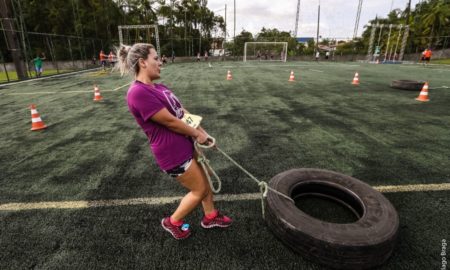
115	89
52	76
441	87
262	66
106	203
316	70
24	94
413	188
287	65
420	66
65	92
169	200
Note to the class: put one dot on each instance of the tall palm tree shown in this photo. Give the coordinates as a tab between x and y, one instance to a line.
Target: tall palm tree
435	18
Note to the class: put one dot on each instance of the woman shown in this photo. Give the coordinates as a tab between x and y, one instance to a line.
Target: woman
158	111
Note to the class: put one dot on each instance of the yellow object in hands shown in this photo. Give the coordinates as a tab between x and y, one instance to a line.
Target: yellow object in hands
192	119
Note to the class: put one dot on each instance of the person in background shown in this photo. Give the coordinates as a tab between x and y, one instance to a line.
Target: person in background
111	59
159	113
102	57
37	62
426	56
317	56
206	56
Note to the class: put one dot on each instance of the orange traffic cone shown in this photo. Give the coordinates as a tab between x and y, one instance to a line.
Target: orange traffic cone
292	77
229	77
97	96
356	79
423	96
36	121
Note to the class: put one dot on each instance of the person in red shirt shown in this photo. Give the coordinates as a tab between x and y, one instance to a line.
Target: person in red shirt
102	57
111	58
426	56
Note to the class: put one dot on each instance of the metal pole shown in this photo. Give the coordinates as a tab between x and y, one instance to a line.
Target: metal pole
12	40
202	7
388	41
398	39
408	12
70	51
372	36
4	66
296	19
225	38
358	15
407	25
185	34
23	34
234	31
405	39
318	23
379	36
54	54
171	26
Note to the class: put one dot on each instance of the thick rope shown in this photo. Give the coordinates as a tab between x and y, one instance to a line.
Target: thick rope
204	162
263	186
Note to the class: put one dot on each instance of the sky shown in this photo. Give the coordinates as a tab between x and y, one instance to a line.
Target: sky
337	17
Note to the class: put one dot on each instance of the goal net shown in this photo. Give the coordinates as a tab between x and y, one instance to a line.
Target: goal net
131	34
265	51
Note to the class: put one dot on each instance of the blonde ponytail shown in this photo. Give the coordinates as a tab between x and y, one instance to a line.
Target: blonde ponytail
129	57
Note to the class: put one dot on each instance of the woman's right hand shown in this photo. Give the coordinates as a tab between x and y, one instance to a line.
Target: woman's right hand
202	137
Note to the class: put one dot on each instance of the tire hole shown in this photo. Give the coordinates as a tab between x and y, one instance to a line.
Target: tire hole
327	203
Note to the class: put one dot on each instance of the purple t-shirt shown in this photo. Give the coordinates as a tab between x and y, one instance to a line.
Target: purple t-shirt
170	149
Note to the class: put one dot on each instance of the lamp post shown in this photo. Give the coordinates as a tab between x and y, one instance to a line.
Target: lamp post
318	23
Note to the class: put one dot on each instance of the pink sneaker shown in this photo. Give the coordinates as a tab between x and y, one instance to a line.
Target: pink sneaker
178	232
219	221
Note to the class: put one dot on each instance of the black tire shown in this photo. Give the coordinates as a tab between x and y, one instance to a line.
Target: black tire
407	85
367	243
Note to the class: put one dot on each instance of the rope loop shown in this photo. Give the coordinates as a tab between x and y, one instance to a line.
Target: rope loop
264	188
204	162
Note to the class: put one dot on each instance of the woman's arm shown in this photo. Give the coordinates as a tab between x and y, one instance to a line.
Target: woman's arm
199	127
165	118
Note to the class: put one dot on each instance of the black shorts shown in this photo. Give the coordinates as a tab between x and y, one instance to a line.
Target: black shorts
180	169
425	58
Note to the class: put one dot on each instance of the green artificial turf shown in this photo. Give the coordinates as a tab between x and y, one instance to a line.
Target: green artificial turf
96	151
12	75
441	61
131	238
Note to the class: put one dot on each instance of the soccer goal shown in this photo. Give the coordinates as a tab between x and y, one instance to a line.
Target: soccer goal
265	51
131	34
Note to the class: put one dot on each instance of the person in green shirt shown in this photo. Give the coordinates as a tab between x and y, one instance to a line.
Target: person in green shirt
38	64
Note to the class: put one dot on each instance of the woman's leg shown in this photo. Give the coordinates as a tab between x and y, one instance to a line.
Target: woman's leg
199	191
208	201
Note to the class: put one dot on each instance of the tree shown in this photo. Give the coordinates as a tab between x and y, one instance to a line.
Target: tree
436	18
237	47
